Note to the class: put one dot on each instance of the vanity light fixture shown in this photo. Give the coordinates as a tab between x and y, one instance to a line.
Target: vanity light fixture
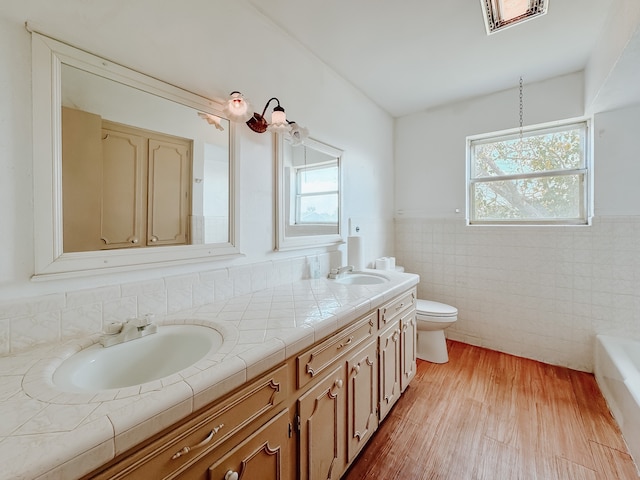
278	124
500	14
238	109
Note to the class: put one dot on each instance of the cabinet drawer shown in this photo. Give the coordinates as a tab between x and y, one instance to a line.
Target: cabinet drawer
391	310
169	455
314	362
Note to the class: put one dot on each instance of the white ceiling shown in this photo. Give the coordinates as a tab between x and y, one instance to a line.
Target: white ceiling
410	55
405	55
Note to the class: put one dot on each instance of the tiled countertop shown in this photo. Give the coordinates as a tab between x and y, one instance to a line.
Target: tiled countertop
46	433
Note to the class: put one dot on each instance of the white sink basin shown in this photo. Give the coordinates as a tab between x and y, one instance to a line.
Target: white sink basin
173	348
361	278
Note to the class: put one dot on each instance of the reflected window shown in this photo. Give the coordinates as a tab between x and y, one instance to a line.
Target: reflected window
317	194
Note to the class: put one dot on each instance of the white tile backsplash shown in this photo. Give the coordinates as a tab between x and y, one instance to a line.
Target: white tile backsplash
27	322
538	292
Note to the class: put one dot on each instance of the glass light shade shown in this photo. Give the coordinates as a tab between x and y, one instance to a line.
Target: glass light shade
278	117
298	134
237	108
279	122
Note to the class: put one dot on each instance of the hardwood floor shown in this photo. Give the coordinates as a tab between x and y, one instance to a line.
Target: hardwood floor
486	415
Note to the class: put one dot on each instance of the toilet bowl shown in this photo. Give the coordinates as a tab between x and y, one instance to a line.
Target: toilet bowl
432	318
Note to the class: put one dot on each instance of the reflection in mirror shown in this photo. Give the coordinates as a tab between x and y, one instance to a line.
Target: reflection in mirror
128	160
123	162
308	194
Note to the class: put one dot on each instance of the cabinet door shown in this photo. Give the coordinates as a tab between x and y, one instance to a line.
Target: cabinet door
389	368
81	180
408	348
322	428
362	398
123	189
169	198
263	455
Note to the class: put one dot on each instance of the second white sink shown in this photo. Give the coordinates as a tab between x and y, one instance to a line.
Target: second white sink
171	349
361	278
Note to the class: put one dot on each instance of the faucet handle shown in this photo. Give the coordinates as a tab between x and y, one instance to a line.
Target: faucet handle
141	321
113	328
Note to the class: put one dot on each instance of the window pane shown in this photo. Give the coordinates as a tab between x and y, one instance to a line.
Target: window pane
318	209
323	179
542	198
559	150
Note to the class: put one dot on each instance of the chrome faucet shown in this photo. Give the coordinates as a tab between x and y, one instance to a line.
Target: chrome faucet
337	272
131	329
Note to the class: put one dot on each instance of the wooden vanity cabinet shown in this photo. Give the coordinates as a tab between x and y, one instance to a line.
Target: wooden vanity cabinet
362	398
389	386
306	419
329	386
187	450
408	341
397	348
322	436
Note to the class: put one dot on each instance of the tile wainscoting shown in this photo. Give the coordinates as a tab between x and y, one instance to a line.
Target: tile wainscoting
536	292
32	321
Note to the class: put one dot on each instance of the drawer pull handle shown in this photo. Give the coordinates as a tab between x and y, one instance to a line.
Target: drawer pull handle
231	475
185	450
345	343
400	306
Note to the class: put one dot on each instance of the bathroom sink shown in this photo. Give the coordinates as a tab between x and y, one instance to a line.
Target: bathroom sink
361	278
171	349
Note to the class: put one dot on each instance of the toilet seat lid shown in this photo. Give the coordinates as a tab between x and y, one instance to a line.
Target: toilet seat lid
435	309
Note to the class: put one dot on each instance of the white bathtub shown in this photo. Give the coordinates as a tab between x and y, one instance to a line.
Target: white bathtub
617	371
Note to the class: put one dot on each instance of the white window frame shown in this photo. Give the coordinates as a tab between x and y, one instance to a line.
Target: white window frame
505	135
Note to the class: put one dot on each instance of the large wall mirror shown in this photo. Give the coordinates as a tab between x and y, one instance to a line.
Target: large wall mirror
308	194
128	171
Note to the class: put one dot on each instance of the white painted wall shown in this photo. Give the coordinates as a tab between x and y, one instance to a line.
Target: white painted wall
537	292
617	162
234	47
430	146
611	75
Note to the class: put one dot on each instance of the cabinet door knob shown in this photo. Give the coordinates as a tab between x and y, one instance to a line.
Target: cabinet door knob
154	239
231	475
356	369
133	240
339	383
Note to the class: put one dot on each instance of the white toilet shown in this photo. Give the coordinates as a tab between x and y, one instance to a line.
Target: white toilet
432	319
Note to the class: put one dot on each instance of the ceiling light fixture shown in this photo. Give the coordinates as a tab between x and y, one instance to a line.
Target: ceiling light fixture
500	14
238	109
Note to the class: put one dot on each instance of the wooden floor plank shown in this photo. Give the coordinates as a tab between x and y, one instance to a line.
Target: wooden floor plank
489	415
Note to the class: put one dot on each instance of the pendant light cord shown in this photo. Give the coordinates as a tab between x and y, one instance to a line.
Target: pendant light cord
521	108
